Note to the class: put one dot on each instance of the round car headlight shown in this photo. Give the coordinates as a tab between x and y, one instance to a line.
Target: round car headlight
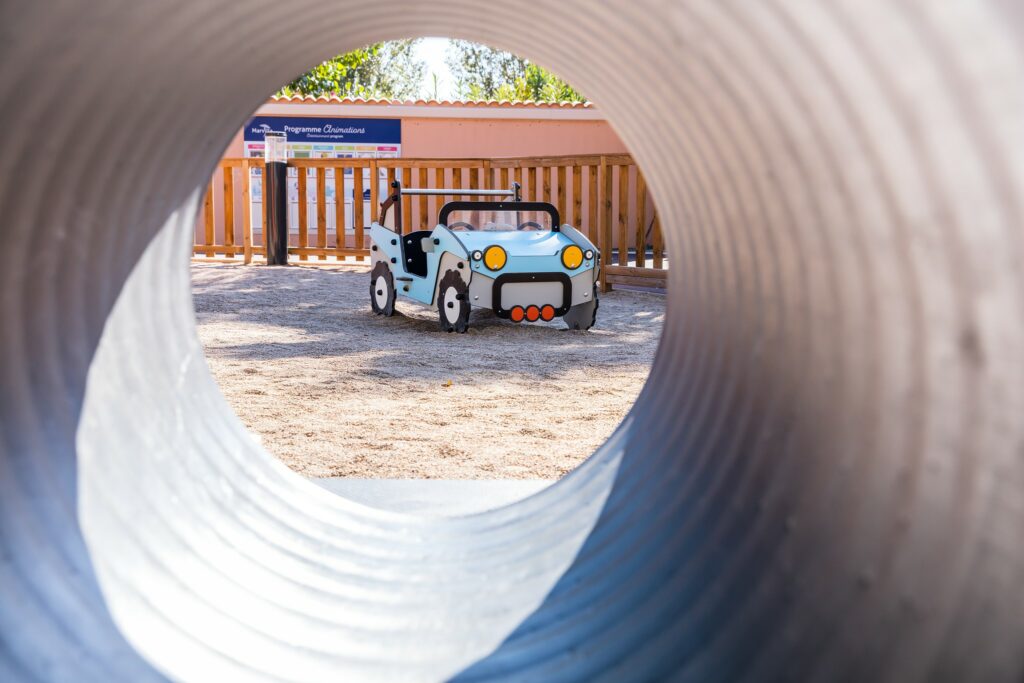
477	255
495	257
572	257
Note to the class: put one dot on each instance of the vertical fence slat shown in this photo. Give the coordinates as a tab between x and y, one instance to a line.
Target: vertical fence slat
208	220
549	174
406	202
534	190
517	175
438	183
246	213
503	178
623	215
457	180
374	192
422	201
563	209
321	211
229	209
592	221
388	179
641	220
657	244
606	222
339	204
357	211
303	210
474	178
577	196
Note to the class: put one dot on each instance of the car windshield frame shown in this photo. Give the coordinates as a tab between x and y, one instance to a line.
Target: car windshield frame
536	207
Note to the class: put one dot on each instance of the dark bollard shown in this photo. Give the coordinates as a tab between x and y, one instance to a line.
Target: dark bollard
275	198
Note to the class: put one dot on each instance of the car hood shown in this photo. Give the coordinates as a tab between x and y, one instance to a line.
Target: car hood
515	243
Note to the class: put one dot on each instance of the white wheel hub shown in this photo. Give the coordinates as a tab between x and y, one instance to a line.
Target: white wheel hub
380	291
452	305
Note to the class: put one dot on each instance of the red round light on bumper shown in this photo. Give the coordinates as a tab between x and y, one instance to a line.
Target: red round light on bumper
532	313
547	312
516	314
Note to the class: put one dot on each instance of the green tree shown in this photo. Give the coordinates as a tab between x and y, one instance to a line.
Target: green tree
388	69
484	73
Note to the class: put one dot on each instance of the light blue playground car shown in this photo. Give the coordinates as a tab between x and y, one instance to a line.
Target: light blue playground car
510	256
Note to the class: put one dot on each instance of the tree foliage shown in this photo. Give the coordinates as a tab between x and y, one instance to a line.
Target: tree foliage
484	73
381	70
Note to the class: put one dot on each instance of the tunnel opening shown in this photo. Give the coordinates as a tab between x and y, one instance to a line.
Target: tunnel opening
388	407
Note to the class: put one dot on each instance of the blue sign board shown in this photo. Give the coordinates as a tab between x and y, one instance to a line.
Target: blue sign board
321	129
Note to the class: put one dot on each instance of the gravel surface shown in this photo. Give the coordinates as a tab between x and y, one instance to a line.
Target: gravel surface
336	391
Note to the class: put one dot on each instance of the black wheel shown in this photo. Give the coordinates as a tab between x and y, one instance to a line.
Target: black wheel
583	316
453	302
382	290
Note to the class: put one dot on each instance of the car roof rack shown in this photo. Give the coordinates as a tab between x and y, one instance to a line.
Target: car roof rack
394	199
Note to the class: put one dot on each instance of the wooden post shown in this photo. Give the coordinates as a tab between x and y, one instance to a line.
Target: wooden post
563	209
357	211
246	213
389	177
422	201
438	183
657	244
457	180
592	220
534	190
374	192
577	196
641	220
208	220
303	210
503	178
406	226
606	222
623	215
229	210
321	211
549	174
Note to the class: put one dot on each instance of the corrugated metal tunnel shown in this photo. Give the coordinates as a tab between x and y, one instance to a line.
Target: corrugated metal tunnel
823	479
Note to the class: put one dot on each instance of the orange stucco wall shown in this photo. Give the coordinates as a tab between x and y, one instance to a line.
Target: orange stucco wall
441	138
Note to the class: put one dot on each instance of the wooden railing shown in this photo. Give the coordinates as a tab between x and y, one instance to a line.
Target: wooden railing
604	196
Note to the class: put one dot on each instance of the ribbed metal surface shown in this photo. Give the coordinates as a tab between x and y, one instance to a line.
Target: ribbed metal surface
823	480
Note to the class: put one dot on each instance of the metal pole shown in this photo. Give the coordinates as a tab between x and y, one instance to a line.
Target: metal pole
447	193
275	199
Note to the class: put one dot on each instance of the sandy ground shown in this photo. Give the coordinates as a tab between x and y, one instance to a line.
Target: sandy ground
336	391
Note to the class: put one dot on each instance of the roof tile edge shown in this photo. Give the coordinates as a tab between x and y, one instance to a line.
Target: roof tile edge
518	104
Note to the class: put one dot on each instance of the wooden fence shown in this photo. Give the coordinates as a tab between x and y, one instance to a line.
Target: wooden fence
604	196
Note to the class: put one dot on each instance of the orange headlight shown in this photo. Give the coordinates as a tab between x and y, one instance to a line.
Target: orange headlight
572	257
495	257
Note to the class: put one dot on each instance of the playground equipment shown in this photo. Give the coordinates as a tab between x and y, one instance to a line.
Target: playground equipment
822	479
513	257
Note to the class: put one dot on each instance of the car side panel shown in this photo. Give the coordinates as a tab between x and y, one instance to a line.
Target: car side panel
481	290
447	253
386	241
